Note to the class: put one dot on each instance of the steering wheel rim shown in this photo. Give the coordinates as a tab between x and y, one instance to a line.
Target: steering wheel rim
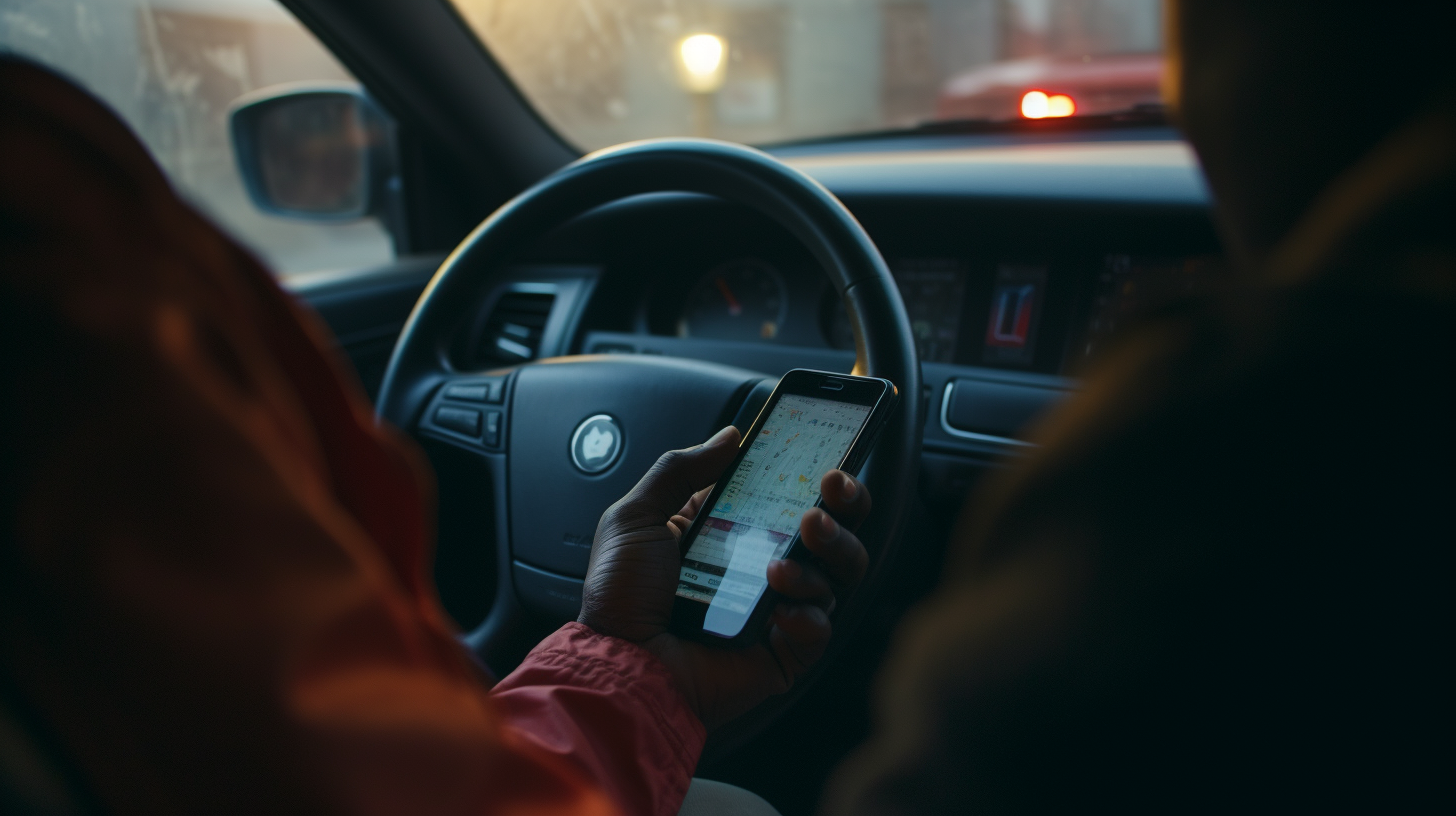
421	361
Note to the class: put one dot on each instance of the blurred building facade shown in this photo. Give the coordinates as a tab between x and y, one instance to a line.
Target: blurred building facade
603	71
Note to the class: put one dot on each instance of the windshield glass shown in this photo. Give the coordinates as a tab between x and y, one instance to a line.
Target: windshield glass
607	71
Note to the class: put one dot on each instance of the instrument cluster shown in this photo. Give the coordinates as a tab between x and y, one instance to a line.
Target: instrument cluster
1044	315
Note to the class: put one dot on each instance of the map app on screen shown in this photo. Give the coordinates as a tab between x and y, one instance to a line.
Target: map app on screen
757	515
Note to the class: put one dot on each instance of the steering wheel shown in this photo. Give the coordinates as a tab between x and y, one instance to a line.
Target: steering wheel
526	423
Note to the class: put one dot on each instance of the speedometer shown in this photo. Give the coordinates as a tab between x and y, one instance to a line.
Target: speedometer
739	300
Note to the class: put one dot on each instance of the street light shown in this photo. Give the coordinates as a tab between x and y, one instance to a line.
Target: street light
701	64
701	58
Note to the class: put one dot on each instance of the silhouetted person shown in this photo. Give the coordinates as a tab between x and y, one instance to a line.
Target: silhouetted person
1224	581
214	583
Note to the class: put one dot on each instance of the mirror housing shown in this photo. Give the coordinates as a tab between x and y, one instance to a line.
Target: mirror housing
316	152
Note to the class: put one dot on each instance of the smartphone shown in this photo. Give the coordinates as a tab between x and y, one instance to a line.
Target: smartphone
813	422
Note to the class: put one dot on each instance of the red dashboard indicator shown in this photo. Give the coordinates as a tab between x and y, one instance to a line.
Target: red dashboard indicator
1015	303
1010	325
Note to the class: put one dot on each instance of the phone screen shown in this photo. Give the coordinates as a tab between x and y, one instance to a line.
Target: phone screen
757	515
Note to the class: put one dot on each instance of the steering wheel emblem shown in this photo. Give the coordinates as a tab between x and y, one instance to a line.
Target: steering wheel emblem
596	443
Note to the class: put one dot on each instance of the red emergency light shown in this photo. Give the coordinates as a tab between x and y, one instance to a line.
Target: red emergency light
1041	105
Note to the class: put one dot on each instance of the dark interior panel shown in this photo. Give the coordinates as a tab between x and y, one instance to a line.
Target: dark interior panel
365	311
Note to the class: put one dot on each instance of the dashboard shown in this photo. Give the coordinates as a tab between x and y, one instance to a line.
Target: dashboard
1017	258
971	312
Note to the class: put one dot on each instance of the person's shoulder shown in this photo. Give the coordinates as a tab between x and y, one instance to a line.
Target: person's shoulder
1221	400
1248	352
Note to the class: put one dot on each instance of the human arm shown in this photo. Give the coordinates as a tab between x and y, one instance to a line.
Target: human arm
633	575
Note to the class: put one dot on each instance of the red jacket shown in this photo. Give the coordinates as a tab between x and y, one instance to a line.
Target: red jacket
214	594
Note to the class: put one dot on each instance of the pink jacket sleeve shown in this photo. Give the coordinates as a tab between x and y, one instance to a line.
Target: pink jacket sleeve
609	709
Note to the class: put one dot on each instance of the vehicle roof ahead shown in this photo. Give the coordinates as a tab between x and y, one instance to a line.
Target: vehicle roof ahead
1096	85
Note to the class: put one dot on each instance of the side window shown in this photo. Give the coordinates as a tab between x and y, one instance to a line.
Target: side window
171	69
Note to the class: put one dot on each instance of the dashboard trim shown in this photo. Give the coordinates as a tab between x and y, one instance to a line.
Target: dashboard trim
1006	441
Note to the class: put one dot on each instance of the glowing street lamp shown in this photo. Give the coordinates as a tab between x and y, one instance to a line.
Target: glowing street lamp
701	64
701	58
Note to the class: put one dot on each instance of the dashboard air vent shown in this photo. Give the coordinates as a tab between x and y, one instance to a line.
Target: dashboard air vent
513	331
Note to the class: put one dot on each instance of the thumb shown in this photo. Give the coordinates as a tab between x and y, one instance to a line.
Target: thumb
679	474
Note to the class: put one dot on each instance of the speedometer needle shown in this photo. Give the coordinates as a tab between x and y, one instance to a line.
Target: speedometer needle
733	307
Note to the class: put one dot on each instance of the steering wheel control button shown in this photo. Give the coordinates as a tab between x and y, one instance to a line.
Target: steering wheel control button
492	428
469	392
460	420
596	444
491	389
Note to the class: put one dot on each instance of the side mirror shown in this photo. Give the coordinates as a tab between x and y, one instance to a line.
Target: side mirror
315	152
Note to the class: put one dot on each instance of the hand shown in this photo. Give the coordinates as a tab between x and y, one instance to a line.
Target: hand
635	562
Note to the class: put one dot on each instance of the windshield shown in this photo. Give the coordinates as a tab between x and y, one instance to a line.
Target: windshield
755	71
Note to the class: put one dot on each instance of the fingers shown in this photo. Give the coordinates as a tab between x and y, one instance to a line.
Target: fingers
684	518
845	497
679	526
839	551
670	485
690	510
801	582
799	636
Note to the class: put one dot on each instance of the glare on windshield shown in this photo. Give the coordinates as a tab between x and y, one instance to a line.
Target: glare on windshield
755	71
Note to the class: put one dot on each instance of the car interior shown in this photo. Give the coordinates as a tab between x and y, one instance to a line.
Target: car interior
978	263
